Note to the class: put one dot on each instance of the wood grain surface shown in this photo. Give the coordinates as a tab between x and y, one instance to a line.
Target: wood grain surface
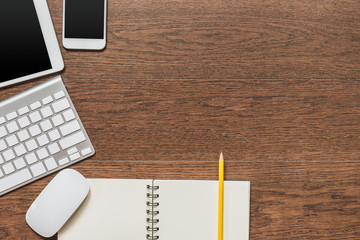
263	39
274	83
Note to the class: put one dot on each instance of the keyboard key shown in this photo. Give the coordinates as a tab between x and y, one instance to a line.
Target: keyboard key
37	169
12	127
31	158
23	135
57	120
8	155
23	110
42	153
69	128
12	140
31	145
47	100
69	115
85	151
46	112
46	125
1	159
20	150
59	95
63	161
72	140
2	145
3	131
34	130
35	105
61	105
8	168
72	150
24	122
74	156
43	140
35	117
54	148
11	116
19	163
50	163
1	173
54	135
2	120
14	179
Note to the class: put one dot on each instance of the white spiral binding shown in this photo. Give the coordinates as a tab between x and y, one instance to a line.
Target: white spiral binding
152	212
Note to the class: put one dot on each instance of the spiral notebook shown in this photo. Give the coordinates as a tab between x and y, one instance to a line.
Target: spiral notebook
124	209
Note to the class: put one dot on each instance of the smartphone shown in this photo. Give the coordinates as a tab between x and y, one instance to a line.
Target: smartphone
84	24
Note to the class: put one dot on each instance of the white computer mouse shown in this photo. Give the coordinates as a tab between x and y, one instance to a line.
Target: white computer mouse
57	202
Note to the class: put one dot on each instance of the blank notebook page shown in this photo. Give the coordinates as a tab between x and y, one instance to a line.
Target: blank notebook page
114	209
189	210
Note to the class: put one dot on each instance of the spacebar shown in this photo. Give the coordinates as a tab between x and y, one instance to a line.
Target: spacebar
14	179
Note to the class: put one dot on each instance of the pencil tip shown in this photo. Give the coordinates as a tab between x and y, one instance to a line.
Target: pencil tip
221	156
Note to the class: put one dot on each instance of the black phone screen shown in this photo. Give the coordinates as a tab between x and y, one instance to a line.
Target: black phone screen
84	19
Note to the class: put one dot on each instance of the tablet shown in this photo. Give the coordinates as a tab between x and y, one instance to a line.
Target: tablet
28	43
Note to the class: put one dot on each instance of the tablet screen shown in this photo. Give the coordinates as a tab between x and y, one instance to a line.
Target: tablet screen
23	49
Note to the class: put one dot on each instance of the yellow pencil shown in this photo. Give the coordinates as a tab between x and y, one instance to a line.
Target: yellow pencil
221	196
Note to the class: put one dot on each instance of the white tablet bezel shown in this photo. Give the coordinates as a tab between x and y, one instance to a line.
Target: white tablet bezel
51	42
84	43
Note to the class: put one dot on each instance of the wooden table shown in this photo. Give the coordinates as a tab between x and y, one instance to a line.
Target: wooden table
273	83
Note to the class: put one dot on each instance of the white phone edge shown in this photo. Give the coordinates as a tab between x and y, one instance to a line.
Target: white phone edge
82	43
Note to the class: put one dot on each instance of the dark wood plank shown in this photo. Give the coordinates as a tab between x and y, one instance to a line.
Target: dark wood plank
223	39
316	200
250	120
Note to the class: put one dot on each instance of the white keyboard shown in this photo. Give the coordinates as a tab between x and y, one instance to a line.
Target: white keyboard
40	133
